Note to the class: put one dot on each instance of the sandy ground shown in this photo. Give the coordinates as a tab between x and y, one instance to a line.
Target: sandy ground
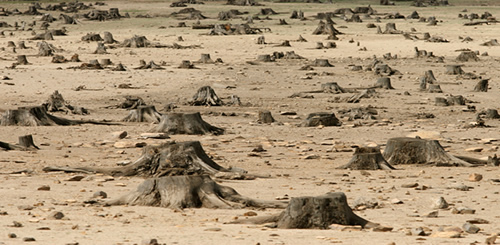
266	86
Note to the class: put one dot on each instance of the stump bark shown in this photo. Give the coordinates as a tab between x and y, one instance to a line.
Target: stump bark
101	49
482	86
21	45
440	101
492	114
454	70
321	119
384	82
261	40
265	58
145	113
367	158
186	64
186	123
179	192
405	150
390	28
205	59
206	96
465	56
265	117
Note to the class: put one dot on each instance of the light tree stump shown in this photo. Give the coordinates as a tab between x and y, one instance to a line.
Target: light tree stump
455	100
45	49
186	64
404	150
367	158
186	123
465	56
101	49
440	101
146	113
390	28
132	102
261	40
205	59
481	86
265	117
492	114
21	45
265	58
206	96
38	116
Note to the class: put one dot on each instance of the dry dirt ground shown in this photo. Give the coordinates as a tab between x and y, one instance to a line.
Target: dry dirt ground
263	86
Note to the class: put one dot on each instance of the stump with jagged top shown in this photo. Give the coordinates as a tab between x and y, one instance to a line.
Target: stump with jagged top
186	123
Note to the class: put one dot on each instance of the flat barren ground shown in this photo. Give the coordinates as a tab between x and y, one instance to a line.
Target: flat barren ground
301	161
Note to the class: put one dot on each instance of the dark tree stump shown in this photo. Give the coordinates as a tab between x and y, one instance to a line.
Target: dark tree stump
322	63
419	151
331	45
75	58
108	38
434	88
26	141
68	20
186	64
21	45
321	119
146	113
319	45
455	100
186	123
367	158
265	117
59	59
326	29
11	44
454	70
132	102
136	42
168	159
119	67
205	59
482	86
150	65
429	76
384	82
55	102
492	114
101	49
21	60
283	22
45	49
440	101
206	96
332	87
38	116
179	192
465	56
261	40
423	83
390	28
92	37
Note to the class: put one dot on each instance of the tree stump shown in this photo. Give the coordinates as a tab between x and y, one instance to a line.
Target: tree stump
492	114
92	37
321	119
21	60
265	117
384	82
429	76
55	102
326	29
206	96
332	87
423	83
186	64
482	86
331	45
145	113
390	28
367	158
106	62
434	88
75	58
136	42
59	59
26	141
205	59
404	150
440	101
21	45
322	63
465	56
186	123
179	192
455	100
132	102
11	44
454	70
45	49
68	20
261	40
101	49
38	116
108	38
119	67
319	45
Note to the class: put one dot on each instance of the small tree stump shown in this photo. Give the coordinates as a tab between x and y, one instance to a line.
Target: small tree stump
384	82
367	158
322	63
481	86
92	37
26	141
465	56
434	88
454	70
108	38
261	40
21	60
186	64
11	44
331	45
143	114
265	117
321	119
186	123
429	76
132	102
205	59
75	58
440	101
206	96
45	49
101	49
419	151
59	59
106	62
332	87
423	83
21	45
319	45
179	192
390	28
455	100
119	67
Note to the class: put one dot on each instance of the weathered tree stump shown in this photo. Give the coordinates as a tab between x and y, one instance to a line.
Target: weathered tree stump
132	102
206	96
454	70
59	59
205	59
390	28
384	82
186	64
317	212
108	38
101	49
440	101
145	113
492	114
179	192
481	86
56	103
21	60
186	123
105	62
150	65
429	76
21	45
332	87
385	70
322	63
319	45
136	42
492	42
367	158
465	56
331	45
261	40
92	37
404	150
455	100
38	116
265	117
68	20
321	119
11	44
265	58
75	58
119	67
434	88
45	49
27	142
326	29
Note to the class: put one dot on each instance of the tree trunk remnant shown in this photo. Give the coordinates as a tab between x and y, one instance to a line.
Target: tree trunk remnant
455	100
384	82
186	123
367	158
45	49
492	114
186	64
454	70
101	49
108	38
333	88
21	45
25	144
179	192
265	58
390	28
206	96
322	63
440	101
465	56
132	102
482	86
21	60
405	150
38	116
205	59
321	119
145	113
261	40
434	88
265	117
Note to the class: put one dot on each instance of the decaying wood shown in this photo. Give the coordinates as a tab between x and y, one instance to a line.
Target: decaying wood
186	123
38	116
146	113
265	117
206	96
132	102
26	143
367	158
481	86
56	102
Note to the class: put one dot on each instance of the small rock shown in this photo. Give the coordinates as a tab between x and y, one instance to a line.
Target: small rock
25	207
474	149
411	185
119	134
213	229
12	235
155	136
312	156
432	214
478	221
100	194
44	188
29	239
250	213
381	228
16	224
396	201
75	178
446	234
470	228
460	187
463	211
56	215
475	177
491	239
419	231
440	203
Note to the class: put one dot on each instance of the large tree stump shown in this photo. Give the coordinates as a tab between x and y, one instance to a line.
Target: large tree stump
265	117
136	42
333	88
205	59
179	192
405	150
92	37
186	123
384	82
367	158
206	96
326	119
38	116
492	114
68	20
481	86
454	70
440	101
145	113
168	159
101	49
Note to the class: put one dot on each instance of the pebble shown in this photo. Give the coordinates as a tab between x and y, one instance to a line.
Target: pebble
119	134
56	215
29	239
410	185
475	177
478	221
440	203
100	194
396	201
250	213
12	235
44	188
25	207
75	178
470	228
